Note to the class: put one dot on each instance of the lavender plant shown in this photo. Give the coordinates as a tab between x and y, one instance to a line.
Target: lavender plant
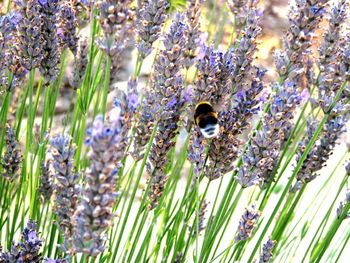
51	58
66	187
193	13
168	91
94	214
152	15
247	223
277	131
31	41
28	249
67	26
11	161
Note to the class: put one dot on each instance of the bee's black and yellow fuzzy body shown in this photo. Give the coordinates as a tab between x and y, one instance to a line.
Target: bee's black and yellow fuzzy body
207	119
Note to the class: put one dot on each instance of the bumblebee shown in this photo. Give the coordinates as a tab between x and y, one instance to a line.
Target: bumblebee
207	119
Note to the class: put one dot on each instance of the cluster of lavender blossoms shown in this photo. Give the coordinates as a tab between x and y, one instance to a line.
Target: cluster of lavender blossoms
31	43
341	208
46	182
193	13
115	19
66	185
322	149
28	250
238	9
12	159
201	218
247	223
94	215
220	76
268	247
152	15
49	65
168	91
67	26
259	160
334	70
304	18
9	58
242	56
80	63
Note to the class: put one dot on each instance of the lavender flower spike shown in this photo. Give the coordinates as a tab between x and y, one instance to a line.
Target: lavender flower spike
27	251
247	223
321	150
67	26
31	41
46	182
9	58
94	213
66	185
12	158
152	17
340	209
259	160
168	93
193	35
267	251
243	55
305	16
80	63
50	62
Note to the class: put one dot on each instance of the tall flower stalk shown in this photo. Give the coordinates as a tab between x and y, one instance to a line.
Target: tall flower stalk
66	186
94	215
167	88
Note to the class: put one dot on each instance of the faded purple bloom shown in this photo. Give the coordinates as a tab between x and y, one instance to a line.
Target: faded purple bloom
304	18
49	66
9	57
46	182
132	96
115	19
247	223
30	41
267	251
193	33
305	95
206	86
241	54
238	9
196	152
332	56
80	63
94	213
201	219
167	88
322	149
67	26
50	260
225	148
340	209
27	251
152	16
12	158
66	186
261	154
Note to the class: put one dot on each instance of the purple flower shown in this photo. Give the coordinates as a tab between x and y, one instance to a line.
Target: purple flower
12	158
43	2
94	214
168	92
66	186
152	15
247	223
